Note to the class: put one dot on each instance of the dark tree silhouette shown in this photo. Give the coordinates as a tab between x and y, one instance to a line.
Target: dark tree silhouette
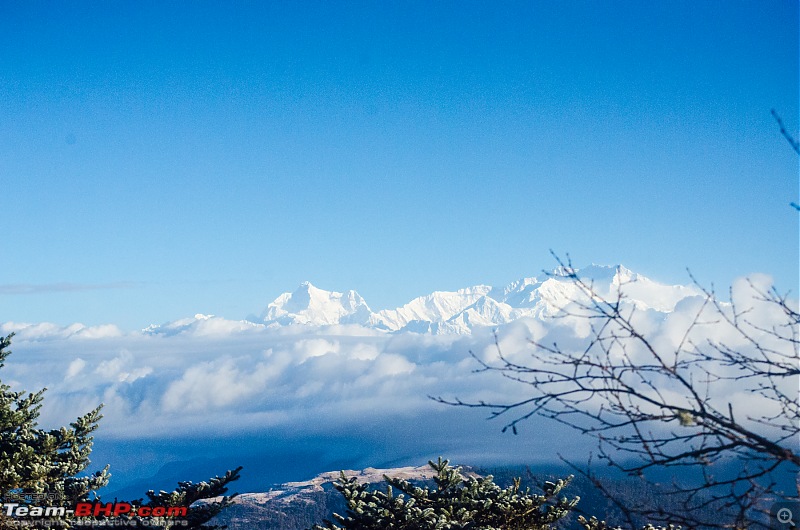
789	138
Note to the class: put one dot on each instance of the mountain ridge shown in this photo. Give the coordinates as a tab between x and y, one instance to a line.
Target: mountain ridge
451	312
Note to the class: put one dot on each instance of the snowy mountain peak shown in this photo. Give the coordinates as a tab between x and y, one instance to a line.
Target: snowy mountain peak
463	310
449	312
437	307
314	306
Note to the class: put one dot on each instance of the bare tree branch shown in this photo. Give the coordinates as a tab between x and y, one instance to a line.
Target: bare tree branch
652	408
789	138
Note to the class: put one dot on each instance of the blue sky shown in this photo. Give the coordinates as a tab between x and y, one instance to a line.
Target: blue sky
161	159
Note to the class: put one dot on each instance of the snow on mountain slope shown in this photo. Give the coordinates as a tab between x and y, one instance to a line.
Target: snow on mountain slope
294	491
484	312
450	312
310	305
521	293
437	307
607	282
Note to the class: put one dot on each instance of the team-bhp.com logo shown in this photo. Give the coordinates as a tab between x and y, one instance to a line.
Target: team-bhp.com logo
96	514
117	509
89	509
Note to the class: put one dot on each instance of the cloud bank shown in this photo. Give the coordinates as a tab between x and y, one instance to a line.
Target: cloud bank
215	379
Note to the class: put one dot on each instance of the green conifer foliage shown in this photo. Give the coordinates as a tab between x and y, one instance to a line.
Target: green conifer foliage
33	460
36	461
455	503
188	494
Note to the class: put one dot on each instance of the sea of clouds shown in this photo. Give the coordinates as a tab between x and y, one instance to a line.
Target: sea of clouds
350	395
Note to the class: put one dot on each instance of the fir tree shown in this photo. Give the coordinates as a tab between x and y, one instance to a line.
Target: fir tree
196	498
39	462
455	503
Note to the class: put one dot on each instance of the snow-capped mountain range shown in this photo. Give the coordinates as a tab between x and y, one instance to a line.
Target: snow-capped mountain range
448	312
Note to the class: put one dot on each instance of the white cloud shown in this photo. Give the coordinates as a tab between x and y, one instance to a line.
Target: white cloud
205	387
214	377
75	367
47	331
123	369
99	332
305	349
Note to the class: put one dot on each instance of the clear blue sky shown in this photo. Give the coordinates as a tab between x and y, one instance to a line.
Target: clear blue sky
159	159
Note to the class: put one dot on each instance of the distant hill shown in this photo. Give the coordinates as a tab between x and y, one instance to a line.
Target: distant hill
300	505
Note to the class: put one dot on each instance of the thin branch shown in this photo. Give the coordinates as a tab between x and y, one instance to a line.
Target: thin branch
614	389
789	138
